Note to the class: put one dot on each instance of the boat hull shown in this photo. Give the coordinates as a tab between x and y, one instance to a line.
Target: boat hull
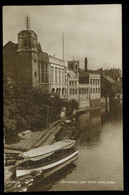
21	172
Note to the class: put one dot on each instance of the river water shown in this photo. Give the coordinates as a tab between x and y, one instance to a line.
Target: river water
100	159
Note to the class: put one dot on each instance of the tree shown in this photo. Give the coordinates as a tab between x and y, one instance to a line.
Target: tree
28	108
70	106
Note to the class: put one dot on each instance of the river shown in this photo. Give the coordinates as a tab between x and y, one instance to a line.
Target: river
100	159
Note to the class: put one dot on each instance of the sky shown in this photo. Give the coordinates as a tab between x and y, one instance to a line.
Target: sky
92	31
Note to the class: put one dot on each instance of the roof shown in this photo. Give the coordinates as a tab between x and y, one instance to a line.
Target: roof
48	149
10	45
71	73
109	79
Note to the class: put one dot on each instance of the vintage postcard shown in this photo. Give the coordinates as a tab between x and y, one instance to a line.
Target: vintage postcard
62	68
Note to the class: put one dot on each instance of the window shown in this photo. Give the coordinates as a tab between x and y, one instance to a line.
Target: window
91	90
42	76
63	91
71	91
35	74
96	90
34	60
63	77
42	72
59	76
46	77
52	74
98	81
91	81
55	75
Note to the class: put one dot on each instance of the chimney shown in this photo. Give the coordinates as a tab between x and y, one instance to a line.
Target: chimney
86	64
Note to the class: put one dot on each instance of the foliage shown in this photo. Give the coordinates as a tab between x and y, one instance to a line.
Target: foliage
70	106
27	108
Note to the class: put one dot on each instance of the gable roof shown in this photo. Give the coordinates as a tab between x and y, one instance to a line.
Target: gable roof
71	73
109	79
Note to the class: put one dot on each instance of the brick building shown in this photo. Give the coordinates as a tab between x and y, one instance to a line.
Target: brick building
25	62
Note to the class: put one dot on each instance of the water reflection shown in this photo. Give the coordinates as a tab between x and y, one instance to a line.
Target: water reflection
90	129
112	112
100	156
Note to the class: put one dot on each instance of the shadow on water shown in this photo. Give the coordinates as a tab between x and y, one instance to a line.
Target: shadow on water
46	183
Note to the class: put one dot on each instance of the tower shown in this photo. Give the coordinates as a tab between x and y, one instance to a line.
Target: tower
27	56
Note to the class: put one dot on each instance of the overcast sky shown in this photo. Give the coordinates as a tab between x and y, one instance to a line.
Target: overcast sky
92	31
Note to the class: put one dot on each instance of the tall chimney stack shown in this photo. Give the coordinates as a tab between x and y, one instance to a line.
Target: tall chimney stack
86	64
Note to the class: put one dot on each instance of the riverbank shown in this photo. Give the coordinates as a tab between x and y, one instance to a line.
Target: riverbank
33	140
55	132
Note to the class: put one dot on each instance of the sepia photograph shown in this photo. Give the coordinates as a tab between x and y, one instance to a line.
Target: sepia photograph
63	98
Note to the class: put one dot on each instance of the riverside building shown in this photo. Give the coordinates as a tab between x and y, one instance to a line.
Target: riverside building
57	77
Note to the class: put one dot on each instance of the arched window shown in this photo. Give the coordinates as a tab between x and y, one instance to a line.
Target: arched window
57	91
63	91
53	91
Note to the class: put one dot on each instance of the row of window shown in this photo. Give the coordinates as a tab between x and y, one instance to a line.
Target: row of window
83	90
95	81
71	83
59	76
73	91
95	90
58	91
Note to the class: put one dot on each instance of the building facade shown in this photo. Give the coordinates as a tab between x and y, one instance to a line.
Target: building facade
95	92
25	62
72	85
57	77
92	80
84	95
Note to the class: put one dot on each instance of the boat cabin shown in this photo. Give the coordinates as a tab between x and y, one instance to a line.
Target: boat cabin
46	155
